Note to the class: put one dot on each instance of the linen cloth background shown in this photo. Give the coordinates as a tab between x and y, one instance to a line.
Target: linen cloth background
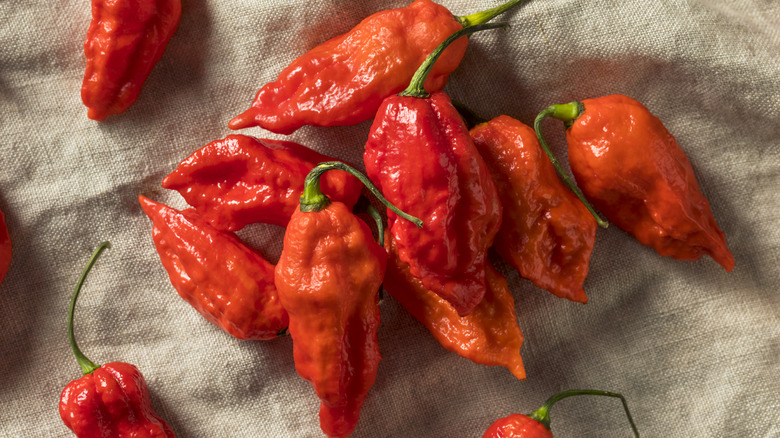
693	348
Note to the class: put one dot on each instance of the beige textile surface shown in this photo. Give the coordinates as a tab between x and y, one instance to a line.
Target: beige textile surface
693	348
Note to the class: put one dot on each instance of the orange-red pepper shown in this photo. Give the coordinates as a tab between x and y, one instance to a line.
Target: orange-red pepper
343	81
5	248
546	233
227	282
111	400
632	169
125	40
241	180
489	335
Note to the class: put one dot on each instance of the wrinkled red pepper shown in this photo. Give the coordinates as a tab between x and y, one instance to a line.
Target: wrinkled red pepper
546	233
5	248
227	282
421	156
537	425
241	180
634	172
343	81
125	40
111	400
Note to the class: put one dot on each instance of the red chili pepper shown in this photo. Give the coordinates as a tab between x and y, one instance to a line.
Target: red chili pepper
343	81
227	282
5	248
537	425
634	172
111	400
546	233
421	156
125	40
489	335
328	277
241	180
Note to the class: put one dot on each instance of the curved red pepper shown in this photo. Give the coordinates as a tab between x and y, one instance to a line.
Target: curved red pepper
111	400
241	180
5	248
125	40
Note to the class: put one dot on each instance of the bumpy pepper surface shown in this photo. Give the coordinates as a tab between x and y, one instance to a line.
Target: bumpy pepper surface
5	248
111	400
546	233
241	180
227	282
343	81
489	335
632	169
420	154
125	40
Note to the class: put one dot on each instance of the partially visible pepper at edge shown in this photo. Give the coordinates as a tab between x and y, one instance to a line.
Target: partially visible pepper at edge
5	248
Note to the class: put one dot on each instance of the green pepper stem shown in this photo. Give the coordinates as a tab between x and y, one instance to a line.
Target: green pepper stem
87	366
486	15
542	414
566	113
416	87
364	206
313	199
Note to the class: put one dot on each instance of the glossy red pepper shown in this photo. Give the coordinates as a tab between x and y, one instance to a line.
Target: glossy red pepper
111	400
636	174
343	81
537	425
5	248
227	282
241	180
328	277
125	40
421	156
546	233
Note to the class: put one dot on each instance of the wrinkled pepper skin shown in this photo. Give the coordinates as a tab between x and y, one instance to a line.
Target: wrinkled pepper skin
517	426
224	280
546	233
5	248
344	80
632	169
328	277
241	180
420	154
489	335
125	40
111	401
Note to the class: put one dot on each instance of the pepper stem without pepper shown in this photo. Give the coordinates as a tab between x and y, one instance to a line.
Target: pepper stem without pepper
416	87
566	113
313	199
87	366
542	414
486	15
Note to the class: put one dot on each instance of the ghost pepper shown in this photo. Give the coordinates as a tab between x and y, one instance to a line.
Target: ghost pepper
5	248
343	81
111	400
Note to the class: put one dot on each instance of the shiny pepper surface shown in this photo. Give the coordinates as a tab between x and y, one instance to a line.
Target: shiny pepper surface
546	233
125	40
224	280
241	180
489	335
5	248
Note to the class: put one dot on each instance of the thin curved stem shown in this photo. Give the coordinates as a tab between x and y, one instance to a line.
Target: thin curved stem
486	15
542	414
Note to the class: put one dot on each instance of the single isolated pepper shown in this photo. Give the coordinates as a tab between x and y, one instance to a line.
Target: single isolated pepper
420	154
110	400
537	425
489	335
125	40
328	277
241	180
546	233
635	173
343	81
227	282
5	248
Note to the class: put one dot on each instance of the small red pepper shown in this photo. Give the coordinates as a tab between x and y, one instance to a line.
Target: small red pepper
343	81
634	172
537	425
546	233
227	282
125	40
5	248
111	400
241	180
420	154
